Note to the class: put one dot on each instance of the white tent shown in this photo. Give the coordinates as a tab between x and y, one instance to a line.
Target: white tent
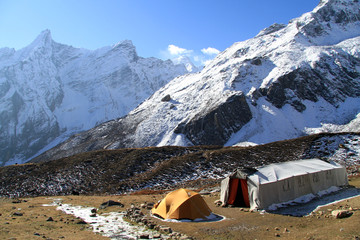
280	182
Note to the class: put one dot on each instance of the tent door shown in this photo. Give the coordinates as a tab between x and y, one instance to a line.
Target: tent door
238	193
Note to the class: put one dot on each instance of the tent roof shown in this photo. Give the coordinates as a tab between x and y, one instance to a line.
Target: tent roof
279	171
182	204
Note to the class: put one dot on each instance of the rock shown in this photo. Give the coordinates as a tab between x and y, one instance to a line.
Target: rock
94	210
165	229
151	225
150	205
341	213
75	193
277	235
215	127
167	98
144	236
81	222
50	219
93	215
157	235
218	203
144	220
185	237
110	203
19	214
16	201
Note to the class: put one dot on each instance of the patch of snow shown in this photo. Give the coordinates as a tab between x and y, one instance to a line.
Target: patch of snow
303	199
306	207
211	218
111	225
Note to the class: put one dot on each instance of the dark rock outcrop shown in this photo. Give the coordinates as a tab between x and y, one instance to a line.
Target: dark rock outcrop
216	126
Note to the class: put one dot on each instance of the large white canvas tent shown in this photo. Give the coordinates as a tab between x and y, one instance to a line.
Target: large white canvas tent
258	188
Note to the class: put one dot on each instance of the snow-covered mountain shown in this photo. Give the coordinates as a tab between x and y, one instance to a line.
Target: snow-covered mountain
49	91
288	81
190	66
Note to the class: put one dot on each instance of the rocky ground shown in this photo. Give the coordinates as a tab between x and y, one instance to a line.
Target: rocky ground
158	168
141	177
40	218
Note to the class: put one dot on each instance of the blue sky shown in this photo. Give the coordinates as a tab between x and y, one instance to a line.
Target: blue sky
158	28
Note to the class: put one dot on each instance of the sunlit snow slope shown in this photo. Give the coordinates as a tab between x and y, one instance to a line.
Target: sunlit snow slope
49	91
287	81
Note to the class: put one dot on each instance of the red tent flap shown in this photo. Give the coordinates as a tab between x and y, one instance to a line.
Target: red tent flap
234	184
245	192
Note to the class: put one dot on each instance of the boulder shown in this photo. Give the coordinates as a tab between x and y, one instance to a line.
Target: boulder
341	213
150	205
19	214
110	203
167	98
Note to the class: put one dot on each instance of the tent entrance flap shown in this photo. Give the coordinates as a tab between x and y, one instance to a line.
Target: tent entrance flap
238	194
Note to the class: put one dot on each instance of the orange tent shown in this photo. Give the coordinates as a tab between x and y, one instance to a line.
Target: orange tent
182	204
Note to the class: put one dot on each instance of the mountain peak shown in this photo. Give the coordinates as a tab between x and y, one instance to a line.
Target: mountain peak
128	48
190	67
43	38
338	11
331	22
124	43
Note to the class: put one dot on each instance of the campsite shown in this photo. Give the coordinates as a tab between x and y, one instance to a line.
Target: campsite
36	203
239	223
180	120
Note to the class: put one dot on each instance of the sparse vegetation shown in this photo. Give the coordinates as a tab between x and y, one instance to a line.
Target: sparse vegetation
159	168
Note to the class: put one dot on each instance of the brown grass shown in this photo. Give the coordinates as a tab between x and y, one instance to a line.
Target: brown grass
237	225
34	225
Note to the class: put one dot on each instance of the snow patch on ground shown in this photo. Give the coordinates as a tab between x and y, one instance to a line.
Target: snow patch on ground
211	218
111	225
303	199
310	203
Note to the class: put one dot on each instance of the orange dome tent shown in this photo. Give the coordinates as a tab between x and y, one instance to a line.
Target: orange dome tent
182	204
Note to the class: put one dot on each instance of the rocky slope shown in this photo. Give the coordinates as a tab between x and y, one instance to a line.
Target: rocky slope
288	81
159	168
49	91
